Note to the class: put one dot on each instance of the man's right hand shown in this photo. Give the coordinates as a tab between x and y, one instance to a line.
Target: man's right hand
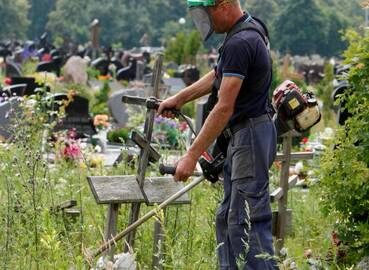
166	107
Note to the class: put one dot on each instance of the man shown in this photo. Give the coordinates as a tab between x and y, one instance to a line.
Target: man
243	222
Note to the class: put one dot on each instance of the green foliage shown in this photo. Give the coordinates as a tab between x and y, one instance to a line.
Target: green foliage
325	89
307	16
345	169
119	135
175	49
38	16
192	46
307	26
13	19
101	99
117	19
183	48
68	21
189	109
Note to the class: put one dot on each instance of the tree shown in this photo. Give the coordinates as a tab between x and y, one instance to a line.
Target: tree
266	10
301	28
175	48
192	47
38	16
13	19
70	20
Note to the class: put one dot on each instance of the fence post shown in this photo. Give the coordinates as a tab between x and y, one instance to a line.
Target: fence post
284	185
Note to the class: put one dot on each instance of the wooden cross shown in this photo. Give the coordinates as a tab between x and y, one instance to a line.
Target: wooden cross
115	190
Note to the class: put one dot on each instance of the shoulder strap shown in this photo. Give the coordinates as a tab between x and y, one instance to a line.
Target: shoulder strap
244	26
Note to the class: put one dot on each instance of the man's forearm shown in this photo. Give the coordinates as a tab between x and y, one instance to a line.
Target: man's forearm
200	88
213	127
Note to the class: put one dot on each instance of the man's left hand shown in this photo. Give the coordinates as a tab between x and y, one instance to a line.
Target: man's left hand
185	168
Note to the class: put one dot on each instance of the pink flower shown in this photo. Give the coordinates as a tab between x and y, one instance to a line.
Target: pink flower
71	151
183	126
72	134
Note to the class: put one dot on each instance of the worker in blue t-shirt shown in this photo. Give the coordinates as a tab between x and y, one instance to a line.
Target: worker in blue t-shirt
242	81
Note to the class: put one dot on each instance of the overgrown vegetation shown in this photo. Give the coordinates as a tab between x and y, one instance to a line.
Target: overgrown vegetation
345	168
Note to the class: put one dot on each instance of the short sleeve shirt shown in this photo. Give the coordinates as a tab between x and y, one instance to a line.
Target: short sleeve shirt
246	56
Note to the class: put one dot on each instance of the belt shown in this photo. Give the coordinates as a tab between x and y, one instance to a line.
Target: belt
229	132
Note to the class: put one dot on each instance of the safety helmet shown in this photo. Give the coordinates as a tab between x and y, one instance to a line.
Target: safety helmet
200	3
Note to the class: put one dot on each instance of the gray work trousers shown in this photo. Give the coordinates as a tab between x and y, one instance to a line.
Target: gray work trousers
244	218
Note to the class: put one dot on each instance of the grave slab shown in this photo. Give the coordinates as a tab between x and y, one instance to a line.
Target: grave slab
125	189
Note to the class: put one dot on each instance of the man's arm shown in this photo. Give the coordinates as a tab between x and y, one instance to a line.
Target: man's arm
200	88
214	125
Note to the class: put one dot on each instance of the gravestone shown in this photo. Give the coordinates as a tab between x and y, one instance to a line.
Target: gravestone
140	70
342	113
51	67
116	62
189	74
175	85
102	65
12	70
14	90
8	111
75	71
76	116
127	73
172	65
31	83
119	109
200	114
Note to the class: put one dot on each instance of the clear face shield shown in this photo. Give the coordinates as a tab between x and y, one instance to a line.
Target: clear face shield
202	21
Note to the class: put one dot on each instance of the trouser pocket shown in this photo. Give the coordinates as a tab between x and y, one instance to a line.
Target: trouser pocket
253	201
243	162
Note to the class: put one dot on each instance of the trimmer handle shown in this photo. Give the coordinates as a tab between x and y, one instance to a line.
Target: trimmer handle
167	170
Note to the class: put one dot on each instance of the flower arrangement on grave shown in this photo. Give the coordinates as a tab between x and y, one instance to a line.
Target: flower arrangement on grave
67	146
169	132
101	121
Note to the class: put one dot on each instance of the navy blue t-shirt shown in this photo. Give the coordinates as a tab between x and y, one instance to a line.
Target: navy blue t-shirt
246	56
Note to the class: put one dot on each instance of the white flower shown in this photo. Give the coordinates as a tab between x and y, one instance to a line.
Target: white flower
98	148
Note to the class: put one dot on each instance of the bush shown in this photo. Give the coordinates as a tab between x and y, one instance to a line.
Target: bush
119	135
345	172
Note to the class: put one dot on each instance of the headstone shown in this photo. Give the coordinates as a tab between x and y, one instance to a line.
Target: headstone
76	116
140	69
12	70
118	109
171	65
128	73
31	83
8	111
75	71
102	65
116	62
200	114
342	113
54	53
48	67
175	84
14	90
189	74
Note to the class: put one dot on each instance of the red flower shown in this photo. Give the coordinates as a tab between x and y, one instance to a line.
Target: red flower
305	140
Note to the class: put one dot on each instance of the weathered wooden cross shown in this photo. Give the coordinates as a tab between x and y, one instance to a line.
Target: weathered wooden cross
117	190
